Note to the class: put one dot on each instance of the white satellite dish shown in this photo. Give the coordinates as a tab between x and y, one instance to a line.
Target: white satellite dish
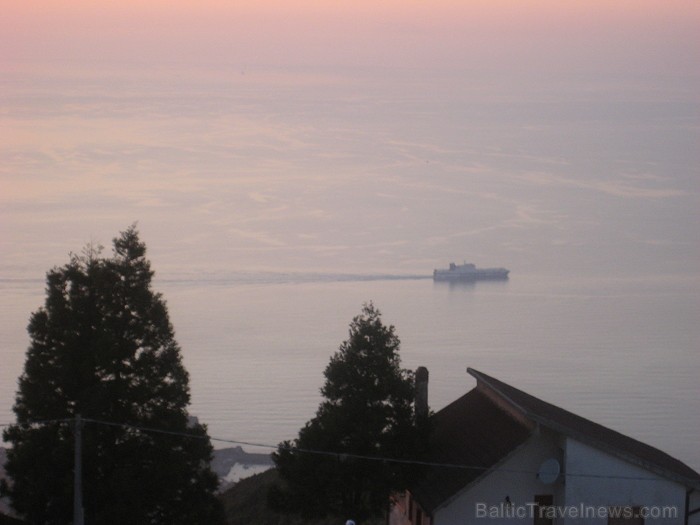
549	471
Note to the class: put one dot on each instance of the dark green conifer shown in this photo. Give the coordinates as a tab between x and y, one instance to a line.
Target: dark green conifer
368	411
103	347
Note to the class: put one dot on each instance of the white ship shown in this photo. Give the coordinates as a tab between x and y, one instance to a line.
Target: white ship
469	272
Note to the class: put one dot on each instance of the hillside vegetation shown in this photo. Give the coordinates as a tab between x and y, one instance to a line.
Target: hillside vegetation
246	503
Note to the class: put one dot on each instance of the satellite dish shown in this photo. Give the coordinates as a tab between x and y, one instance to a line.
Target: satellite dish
549	471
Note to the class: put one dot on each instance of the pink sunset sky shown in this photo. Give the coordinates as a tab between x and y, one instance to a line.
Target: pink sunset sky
536	35
264	123
556	138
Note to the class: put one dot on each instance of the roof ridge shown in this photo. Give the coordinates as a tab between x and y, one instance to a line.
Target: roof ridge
582	429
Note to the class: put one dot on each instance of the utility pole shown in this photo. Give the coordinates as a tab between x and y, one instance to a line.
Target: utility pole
78	518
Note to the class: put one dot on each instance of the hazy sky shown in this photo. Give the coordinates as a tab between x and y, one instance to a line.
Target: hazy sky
599	36
364	136
551	137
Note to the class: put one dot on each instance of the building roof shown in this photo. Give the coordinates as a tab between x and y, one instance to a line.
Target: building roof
593	434
470	431
481	429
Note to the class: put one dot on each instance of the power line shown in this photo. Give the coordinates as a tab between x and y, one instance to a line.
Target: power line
339	455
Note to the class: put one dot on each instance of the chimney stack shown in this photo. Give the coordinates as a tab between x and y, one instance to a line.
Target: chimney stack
421	392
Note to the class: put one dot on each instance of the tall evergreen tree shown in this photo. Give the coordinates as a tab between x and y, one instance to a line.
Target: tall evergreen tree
335	465
103	347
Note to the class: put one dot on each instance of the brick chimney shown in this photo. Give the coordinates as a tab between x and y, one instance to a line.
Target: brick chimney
421	392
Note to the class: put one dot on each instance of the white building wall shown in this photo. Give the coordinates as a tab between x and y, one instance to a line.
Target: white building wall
515	478
596	481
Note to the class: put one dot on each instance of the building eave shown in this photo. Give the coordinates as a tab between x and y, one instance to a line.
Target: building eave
482	476
635	459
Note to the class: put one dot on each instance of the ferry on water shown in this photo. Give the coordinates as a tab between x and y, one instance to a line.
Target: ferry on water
469	272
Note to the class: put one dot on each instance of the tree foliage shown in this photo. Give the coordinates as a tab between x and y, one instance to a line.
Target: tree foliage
103	347
368	412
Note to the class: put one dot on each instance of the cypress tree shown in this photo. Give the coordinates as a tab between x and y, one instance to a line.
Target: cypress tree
102	347
341	463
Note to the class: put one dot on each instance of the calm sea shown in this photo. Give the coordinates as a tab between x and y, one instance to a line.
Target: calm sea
622	352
